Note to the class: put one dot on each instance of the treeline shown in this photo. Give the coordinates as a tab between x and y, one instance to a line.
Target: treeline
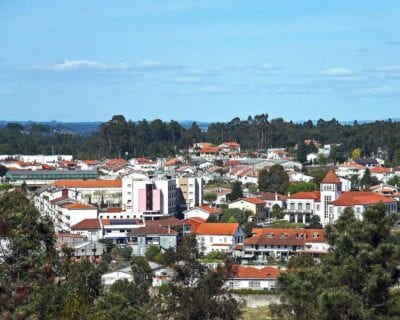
119	137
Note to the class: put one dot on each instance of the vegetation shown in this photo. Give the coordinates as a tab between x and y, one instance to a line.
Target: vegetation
234	215
236	191
119	137
353	281
273	180
295	187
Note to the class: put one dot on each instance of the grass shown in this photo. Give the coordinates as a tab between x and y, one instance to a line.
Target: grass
261	313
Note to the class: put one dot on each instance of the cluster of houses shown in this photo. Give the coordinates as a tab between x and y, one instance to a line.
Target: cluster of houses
143	202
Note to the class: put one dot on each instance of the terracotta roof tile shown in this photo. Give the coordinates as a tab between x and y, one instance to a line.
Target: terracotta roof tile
210	210
353	198
217	228
79	206
331	177
87	224
243	272
312	195
88	183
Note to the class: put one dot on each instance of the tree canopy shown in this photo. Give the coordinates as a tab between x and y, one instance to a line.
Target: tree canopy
353	281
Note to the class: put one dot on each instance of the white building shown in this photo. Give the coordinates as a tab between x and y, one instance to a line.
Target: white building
329	203
190	191
255	278
218	236
149	198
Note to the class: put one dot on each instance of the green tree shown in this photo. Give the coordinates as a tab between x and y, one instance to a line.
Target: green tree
27	251
234	215
273	180
367	180
295	187
3	170
210	197
277	212
152	253
196	292
353	281
301	152
395	181
356	154
236	191
248	228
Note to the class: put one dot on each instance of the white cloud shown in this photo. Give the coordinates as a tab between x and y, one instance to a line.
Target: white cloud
390	70
76	65
186	80
337	72
377	91
71	65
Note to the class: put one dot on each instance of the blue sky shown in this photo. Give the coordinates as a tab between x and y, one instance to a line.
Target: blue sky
199	60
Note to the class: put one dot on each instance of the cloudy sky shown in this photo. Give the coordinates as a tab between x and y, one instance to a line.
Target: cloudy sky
199	60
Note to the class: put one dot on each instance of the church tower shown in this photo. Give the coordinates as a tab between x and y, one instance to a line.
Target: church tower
331	189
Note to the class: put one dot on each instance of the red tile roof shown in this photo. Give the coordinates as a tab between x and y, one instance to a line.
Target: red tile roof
87	224
171	221
284	236
79	206
251	200
152	230
217	229
88	183
209	150
270	196
210	210
331	177
380	169
353	198
311	195
243	272
231	144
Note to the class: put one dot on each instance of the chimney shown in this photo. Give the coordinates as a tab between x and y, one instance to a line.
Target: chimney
276	196
169	229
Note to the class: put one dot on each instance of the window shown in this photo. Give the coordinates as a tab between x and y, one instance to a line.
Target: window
308	206
211	239
254	284
300	206
292	206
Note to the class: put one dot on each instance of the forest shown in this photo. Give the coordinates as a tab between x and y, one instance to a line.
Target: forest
119	137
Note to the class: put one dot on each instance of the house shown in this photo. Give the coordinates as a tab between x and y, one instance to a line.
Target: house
91	229
203	212
221	194
280	243
255	205
255	278
271	199
331	200
387	191
299	177
109	278
350	169
100	192
141	239
367	162
161	275
218	236
229	147
383	174
90	250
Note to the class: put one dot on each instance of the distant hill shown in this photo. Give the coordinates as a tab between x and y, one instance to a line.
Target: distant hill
86	128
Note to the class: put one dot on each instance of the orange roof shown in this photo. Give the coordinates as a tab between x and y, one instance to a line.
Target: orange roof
210	210
116	162
209	150
79	206
173	162
353	198
311	195
242	272
88	183
231	144
90	162
285	236
87	224
253	200
217	228
331	177
380	169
